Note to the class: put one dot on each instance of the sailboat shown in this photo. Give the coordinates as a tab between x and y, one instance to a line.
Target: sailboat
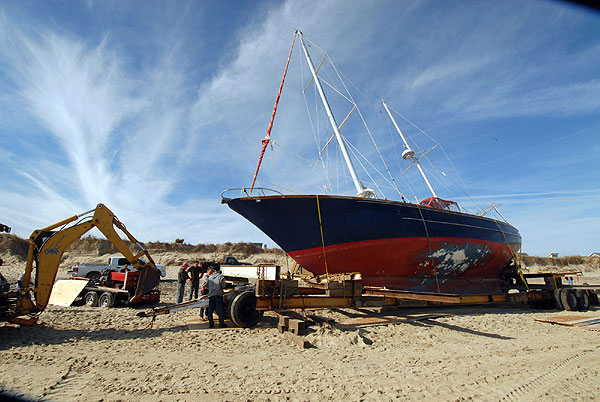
427	246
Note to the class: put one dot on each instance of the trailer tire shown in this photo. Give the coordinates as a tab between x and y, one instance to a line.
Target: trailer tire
556	298
583	299
91	298
243	310
569	299
593	298
106	300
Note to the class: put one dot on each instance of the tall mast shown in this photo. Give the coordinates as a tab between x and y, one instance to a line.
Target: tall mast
408	153
360	188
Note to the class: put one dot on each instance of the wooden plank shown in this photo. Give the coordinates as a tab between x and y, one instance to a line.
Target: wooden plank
311	291
447	298
65	291
298	302
376	321
298	340
468	299
573	321
431	297
197	324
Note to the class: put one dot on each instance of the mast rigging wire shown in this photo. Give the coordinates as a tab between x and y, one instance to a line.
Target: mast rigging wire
365	125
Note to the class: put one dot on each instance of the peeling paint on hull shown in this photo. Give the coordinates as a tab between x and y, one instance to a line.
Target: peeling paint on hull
392	244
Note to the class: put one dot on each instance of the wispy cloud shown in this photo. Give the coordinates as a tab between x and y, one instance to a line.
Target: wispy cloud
105	134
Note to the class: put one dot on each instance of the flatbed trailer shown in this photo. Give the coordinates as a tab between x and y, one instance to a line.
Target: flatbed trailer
246	303
116	288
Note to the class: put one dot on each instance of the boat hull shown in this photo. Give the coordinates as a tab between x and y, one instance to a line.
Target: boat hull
392	244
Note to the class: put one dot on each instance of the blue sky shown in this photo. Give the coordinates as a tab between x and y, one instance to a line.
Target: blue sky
154	108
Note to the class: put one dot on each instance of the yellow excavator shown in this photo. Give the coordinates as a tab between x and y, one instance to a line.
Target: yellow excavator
46	247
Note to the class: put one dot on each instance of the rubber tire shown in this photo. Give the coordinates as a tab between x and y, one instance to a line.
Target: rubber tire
583	299
93	276
106	300
91	298
243	310
593	298
569	300
557	303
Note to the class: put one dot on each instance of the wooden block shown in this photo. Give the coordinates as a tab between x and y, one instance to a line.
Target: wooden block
284	320
282	328
298	340
297	327
344	289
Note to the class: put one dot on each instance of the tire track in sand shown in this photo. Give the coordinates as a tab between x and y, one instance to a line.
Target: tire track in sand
70	384
561	372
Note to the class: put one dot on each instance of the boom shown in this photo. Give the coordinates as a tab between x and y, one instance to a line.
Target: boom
46	248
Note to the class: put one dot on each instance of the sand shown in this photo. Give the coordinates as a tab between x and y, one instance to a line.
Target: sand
479	352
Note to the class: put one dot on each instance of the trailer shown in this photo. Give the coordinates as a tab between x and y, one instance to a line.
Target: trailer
109	290
247	301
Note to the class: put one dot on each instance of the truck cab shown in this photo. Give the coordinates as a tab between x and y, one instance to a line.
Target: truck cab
229	260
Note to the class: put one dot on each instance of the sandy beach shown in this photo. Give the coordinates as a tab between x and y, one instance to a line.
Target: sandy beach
472	352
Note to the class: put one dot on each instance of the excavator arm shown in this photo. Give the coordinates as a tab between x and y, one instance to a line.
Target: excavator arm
46	248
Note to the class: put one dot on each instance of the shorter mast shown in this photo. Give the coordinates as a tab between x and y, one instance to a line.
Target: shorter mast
408	153
362	191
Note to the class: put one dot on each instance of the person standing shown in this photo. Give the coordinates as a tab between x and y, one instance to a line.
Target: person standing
215	282
182	278
203	288
194	273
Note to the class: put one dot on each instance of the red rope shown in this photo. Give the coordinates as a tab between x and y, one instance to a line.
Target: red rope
265	142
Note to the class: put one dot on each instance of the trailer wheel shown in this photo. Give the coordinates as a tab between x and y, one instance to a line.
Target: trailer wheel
583	299
91	298
106	300
243	310
568	299
556	298
593	298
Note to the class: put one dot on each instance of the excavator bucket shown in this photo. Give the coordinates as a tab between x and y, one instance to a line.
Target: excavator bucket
149	279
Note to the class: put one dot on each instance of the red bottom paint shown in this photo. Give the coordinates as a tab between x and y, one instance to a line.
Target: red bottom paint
441	265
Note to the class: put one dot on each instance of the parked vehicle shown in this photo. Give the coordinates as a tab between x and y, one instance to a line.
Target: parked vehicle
233	261
227	261
117	264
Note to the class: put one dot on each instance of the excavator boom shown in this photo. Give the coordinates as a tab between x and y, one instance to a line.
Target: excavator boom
46	248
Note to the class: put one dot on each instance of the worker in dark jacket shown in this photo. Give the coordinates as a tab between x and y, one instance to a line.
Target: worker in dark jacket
215	284
182	278
194	273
